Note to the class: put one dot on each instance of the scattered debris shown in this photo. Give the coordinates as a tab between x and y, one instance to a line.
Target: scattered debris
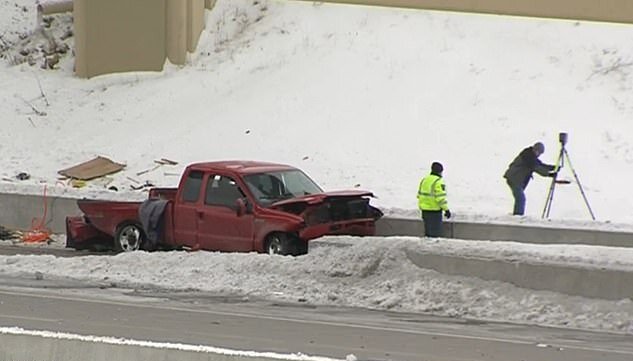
39	84
149	170
47	45
306	158
38	232
39	275
166	161
6	233
248	131
159	163
91	169
78	183
133	180
23	176
37	111
50	61
113	188
147	184
171	174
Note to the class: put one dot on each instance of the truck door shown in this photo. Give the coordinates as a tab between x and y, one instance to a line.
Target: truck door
185	210
220	227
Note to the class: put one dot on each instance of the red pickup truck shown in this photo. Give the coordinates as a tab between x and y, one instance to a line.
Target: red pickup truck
229	206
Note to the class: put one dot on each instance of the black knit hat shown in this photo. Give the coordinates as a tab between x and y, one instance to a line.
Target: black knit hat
539	147
437	167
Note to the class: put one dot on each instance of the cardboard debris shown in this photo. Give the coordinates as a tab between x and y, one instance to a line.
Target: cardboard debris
91	169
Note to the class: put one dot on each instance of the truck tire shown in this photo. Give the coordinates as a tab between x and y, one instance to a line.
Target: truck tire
128	237
285	244
277	243
302	247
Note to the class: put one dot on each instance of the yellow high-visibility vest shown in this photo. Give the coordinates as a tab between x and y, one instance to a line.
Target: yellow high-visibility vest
432	194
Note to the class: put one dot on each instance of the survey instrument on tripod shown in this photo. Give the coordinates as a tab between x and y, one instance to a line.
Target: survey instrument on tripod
563	156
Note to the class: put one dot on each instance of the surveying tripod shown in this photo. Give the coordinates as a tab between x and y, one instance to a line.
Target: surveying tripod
562	138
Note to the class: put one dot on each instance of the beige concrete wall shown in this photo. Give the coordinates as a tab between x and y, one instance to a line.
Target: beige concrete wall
122	35
195	23
47	7
598	10
209	4
176	34
185	22
118	35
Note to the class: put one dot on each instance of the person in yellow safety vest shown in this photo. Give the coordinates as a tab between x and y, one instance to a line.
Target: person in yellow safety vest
432	201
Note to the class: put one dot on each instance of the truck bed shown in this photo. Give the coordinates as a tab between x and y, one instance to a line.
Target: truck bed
106	215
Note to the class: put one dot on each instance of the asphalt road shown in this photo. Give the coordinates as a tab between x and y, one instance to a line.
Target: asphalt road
250	324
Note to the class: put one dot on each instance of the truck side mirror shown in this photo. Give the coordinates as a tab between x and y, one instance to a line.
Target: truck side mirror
240	207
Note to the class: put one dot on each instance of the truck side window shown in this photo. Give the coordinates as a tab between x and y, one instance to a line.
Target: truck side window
191	188
222	191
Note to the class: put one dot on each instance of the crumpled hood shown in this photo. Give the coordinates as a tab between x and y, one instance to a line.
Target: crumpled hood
322	197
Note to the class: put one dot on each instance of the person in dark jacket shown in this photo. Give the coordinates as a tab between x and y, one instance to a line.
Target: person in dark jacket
520	172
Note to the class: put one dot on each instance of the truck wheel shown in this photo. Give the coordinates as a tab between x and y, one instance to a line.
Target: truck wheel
128	237
302	247
284	244
278	243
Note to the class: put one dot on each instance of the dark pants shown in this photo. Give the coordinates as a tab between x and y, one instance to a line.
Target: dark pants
519	199
432	223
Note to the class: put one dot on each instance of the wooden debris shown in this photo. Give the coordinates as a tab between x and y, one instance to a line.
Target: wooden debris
133	180
149	170
166	161
147	184
159	162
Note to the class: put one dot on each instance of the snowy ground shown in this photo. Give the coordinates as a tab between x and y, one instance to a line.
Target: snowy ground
358	97
346	271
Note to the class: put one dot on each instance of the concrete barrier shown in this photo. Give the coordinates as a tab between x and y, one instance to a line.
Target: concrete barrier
571	280
23	345
507	232
17	212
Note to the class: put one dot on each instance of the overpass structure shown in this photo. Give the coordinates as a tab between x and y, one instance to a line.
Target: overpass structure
619	11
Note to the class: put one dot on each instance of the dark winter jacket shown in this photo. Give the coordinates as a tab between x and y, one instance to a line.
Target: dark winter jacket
520	170
151	213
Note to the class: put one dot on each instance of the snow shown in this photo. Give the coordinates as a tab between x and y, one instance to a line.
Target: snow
370	272
358	97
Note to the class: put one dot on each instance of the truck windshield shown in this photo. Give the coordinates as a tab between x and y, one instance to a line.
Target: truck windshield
270	187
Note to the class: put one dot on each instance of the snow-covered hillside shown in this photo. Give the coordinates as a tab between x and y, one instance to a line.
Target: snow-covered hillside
358	97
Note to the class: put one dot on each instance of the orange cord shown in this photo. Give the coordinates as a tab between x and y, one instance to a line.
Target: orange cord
38	233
